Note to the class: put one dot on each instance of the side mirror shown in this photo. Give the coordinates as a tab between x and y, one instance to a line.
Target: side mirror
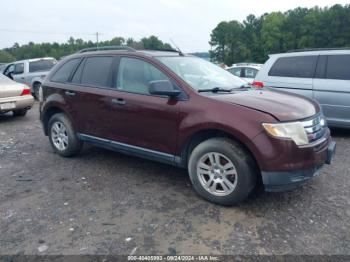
163	88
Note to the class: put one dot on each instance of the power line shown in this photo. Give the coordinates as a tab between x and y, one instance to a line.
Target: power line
45	33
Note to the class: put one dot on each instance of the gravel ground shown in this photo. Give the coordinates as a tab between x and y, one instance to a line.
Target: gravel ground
102	202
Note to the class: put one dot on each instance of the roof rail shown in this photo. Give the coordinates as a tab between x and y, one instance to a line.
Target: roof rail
101	48
317	49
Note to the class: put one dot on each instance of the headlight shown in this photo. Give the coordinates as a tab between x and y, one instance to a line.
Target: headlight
293	130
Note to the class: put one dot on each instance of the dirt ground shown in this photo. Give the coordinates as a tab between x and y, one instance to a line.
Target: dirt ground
102	202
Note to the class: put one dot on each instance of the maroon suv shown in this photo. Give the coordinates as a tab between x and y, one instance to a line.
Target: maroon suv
184	111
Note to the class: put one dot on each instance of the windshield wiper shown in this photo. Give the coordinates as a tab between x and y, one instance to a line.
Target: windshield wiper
216	90
226	90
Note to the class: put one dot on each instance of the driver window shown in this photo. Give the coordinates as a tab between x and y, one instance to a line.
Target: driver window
19	69
134	75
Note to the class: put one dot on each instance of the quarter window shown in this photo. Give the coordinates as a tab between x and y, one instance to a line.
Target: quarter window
96	71
134	75
338	67
297	66
63	73
41	65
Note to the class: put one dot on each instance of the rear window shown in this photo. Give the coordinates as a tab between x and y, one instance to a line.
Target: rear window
97	71
63	73
338	67
41	65
297	66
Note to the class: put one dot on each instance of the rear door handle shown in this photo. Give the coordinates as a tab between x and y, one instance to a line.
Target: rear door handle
118	101
70	93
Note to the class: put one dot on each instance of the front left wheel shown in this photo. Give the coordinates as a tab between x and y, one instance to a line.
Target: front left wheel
221	171
62	136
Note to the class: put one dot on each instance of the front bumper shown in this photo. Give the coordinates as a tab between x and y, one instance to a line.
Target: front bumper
287	180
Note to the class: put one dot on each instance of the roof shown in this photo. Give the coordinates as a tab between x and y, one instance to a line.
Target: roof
314	52
126	49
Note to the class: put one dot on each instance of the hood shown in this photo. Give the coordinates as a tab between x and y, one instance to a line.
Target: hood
284	106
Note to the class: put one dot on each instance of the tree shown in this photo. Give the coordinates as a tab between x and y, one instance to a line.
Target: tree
154	43
278	32
5	57
32	50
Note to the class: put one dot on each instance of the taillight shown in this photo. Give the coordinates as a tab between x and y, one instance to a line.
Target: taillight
258	84
26	91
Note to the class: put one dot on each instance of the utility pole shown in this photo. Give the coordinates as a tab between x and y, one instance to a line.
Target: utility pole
97	39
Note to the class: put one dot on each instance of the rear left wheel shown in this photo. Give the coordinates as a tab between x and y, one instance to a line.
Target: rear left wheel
36	89
63	137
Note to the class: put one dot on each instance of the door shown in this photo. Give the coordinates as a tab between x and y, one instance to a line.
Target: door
18	73
332	88
294	74
137	118
88	95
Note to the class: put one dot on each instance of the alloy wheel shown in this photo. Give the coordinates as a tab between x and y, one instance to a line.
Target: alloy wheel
217	174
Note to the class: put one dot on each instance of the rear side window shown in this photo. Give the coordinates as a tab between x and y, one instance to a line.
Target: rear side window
338	67
235	71
96	71
63	73
297	66
321	67
249	72
41	65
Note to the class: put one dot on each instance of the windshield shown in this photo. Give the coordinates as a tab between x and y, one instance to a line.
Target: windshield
5	80
41	65
200	74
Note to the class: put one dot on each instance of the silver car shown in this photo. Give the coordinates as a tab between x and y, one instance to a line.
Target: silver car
323	75
14	97
246	71
31	72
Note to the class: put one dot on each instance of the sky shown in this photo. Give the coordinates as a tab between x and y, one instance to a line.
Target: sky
187	22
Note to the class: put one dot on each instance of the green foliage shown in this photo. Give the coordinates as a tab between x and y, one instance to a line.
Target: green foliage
31	50
276	32
5	57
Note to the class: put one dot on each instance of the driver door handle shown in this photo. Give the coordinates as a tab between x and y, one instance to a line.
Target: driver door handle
118	101
70	93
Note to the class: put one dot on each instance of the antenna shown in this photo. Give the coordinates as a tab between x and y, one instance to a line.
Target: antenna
177	48
97	43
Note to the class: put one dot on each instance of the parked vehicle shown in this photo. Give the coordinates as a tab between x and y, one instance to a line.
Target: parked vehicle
2	67
31	72
247	71
187	112
323	75
14	97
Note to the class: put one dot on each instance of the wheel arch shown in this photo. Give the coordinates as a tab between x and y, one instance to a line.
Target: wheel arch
49	112
204	134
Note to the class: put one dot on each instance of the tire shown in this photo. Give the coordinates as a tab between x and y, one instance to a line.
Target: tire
63	137
20	112
36	88
231	186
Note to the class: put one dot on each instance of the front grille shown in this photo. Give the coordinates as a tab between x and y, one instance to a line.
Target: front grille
315	128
